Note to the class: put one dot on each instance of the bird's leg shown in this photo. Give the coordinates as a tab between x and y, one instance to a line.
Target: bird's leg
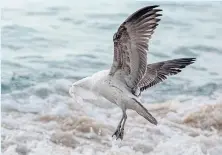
120	128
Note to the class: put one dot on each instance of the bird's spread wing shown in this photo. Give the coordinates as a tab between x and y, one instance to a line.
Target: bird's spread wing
131	44
157	72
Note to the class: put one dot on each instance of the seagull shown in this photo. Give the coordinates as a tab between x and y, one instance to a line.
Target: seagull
130	74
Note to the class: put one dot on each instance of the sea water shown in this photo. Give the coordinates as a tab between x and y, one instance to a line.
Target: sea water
48	45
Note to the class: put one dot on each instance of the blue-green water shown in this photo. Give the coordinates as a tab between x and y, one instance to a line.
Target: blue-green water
47	45
46	40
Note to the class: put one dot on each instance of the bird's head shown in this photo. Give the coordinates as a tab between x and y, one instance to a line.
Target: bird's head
78	89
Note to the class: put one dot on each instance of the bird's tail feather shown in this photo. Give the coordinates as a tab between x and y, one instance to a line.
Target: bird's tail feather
141	110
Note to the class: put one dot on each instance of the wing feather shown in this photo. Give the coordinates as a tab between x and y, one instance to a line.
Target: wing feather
157	72
131	44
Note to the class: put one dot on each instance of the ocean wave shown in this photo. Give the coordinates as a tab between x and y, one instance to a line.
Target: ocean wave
44	118
47	45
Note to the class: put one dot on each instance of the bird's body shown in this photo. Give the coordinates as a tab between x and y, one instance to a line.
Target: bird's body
130	74
102	84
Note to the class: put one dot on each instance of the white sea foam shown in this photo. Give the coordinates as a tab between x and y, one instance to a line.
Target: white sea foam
54	123
47	40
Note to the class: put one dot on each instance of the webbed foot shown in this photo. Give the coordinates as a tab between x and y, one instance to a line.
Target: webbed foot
119	133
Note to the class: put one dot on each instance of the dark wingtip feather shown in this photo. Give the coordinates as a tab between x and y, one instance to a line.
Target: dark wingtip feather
180	64
189	60
153	6
141	12
193	60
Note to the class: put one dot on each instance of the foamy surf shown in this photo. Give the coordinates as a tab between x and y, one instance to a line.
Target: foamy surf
55	124
47	40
